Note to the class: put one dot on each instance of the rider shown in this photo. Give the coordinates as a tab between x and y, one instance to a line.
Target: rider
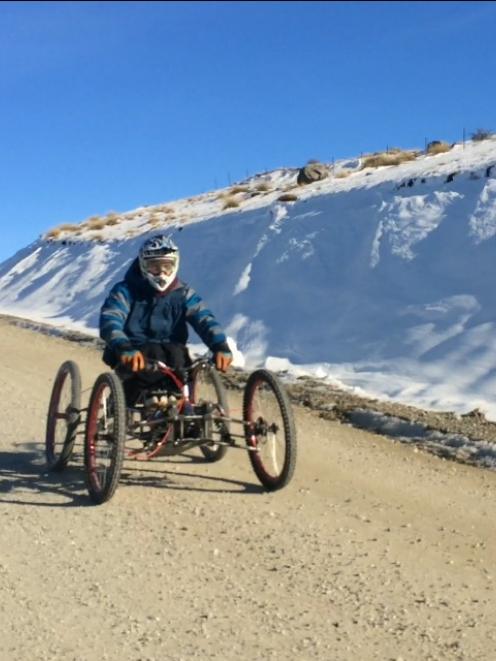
146	314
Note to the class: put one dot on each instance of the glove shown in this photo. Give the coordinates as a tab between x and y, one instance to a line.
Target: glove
132	359
222	361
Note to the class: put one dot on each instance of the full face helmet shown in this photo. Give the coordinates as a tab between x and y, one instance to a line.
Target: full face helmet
159	261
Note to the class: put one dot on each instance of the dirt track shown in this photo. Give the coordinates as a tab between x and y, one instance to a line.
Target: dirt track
374	551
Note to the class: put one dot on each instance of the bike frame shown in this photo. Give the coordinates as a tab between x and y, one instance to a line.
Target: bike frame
181	419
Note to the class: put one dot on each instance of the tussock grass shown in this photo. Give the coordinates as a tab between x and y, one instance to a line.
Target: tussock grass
239	189
69	227
64	227
165	219
112	218
230	203
437	147
263	187
388	158
96	224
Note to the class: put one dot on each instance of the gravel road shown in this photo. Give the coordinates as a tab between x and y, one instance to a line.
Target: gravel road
374	550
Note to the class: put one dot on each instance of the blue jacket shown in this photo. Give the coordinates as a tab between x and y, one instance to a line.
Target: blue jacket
134	314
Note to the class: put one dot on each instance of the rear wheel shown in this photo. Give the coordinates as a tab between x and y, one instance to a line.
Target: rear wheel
105	437
64	412
270	429
207	388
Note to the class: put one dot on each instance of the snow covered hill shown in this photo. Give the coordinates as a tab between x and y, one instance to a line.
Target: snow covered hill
380	278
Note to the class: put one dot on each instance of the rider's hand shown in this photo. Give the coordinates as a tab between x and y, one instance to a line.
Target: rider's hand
133	359
222	361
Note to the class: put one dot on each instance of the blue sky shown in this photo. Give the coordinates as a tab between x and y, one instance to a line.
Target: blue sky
112	105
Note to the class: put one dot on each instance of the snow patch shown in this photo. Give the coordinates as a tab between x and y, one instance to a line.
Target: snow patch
406	221
482	222
244	281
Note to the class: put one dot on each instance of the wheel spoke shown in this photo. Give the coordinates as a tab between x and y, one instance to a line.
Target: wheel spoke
271	440
208	392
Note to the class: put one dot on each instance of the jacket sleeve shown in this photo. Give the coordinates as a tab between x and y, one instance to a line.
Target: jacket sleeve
113	316
204	323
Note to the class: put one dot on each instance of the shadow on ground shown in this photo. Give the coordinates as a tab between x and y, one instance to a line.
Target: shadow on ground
25	480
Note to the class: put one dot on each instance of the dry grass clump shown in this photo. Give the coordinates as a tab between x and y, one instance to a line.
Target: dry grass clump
342	174
99	222
64	227
239	189
230	203
157	218
437	147
263	187
69	227
96	223
287	197
112	218
388	158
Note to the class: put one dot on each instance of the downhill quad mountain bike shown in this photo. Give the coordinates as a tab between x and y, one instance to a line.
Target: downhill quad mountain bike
189	412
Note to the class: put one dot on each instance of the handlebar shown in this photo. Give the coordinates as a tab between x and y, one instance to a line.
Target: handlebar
152	365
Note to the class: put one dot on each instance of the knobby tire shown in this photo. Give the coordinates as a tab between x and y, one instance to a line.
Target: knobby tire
57	459
263	381
106	433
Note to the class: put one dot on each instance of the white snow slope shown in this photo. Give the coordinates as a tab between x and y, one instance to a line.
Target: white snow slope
382	280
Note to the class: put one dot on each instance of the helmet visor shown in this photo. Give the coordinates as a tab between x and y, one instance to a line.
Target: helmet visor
161	265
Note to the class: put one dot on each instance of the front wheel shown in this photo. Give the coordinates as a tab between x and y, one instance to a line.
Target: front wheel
207	387
270	429
105	437
64	411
